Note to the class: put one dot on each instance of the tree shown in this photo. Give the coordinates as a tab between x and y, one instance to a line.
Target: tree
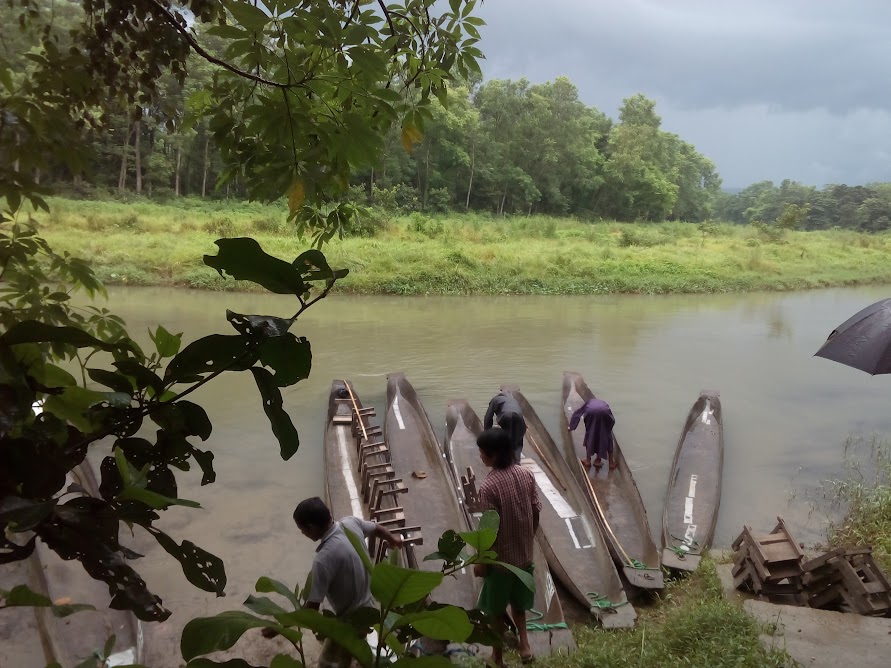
306	94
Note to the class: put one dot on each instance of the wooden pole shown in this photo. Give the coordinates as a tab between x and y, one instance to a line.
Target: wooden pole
356	409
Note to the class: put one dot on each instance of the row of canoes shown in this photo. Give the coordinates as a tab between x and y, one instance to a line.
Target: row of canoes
594	537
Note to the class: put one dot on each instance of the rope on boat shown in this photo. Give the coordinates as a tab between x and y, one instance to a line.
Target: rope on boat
602	602
533	623
679	550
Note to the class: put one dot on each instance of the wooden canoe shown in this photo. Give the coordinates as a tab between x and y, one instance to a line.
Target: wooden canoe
694	486
35	637
571	539
462	427
613	496
432	500
343	486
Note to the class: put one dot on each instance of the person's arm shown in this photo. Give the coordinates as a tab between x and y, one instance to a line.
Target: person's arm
536	505
383	533
490	414
576	416
319	589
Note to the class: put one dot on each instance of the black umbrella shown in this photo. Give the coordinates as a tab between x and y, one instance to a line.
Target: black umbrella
863	341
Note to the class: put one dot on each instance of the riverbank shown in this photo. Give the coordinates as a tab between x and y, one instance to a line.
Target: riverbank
151	244
692	624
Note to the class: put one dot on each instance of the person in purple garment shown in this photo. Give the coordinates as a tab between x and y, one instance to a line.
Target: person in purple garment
599	423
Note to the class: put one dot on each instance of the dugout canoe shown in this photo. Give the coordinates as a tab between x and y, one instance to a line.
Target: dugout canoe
342	483
432	500
613	496
36	637
571	539
694	486
462	427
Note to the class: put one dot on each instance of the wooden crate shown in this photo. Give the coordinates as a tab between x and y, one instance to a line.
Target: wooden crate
769	565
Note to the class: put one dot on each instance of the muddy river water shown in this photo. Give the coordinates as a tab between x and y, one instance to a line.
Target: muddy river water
786	413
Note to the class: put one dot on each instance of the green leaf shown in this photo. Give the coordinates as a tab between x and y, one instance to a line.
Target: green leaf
115	381
329	627
524	577
24	514
263	606
22	596
282	427
248	15
244	260
166	344
142	376
204	635
73	403
32	331
359	546
202	568
285	661
208	663
394	586
109	645
53	376
486	533
154	500
447	623
289	356
216	352
448	548
267	585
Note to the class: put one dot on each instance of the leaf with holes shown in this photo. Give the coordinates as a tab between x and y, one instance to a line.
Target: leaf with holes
244	260
282	427
203	569
217	352
261	326
289	356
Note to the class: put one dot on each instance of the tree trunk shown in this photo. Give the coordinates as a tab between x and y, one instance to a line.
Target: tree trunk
179	156
204	179
501	207
470	181
371	187
426	180
125	151
37	175
138	157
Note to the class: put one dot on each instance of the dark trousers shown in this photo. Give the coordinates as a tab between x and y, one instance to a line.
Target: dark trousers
515	426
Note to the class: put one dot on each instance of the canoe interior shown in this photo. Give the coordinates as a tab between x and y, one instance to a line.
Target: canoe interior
341	461
694	486
432	500
462	427
572	541
617	494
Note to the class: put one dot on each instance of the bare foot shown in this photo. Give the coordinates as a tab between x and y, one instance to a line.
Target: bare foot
613	465
586	463
598	463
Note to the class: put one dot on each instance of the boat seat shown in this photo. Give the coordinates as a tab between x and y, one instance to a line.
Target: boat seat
341	418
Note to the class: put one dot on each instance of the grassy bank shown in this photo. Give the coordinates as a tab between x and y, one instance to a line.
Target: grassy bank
693	626
859	502
152	244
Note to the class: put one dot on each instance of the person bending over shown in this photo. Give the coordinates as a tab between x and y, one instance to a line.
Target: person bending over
510	418
599	423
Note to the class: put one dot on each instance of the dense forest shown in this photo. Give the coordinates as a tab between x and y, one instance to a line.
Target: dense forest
500	146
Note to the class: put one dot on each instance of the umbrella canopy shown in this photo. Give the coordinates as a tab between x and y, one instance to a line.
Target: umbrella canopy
863	341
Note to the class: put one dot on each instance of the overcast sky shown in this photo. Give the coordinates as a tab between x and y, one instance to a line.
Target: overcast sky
768	89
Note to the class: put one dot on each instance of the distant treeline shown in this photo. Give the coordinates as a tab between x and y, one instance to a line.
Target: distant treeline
864	208
500	146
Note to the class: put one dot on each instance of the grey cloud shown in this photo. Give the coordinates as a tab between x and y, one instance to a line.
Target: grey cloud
758	85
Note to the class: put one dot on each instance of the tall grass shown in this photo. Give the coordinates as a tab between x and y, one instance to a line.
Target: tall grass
146	243
694	625
859	502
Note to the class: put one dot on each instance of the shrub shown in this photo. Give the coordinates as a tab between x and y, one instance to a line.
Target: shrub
221	227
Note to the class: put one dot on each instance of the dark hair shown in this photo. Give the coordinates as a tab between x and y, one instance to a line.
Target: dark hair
312	513
496	443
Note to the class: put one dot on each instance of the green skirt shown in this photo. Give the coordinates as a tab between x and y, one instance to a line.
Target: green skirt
502	588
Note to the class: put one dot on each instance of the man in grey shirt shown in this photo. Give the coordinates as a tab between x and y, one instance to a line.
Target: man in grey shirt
338	574
507	411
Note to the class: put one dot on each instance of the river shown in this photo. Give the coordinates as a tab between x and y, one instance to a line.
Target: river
786	413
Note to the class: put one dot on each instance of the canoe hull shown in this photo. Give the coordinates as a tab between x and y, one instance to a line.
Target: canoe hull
618	507
572	542
462	427
693	497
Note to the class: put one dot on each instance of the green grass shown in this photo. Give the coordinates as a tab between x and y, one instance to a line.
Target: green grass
863	497
694	625
151	244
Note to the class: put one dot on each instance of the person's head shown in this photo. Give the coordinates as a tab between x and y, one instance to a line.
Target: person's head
495	448
312	518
